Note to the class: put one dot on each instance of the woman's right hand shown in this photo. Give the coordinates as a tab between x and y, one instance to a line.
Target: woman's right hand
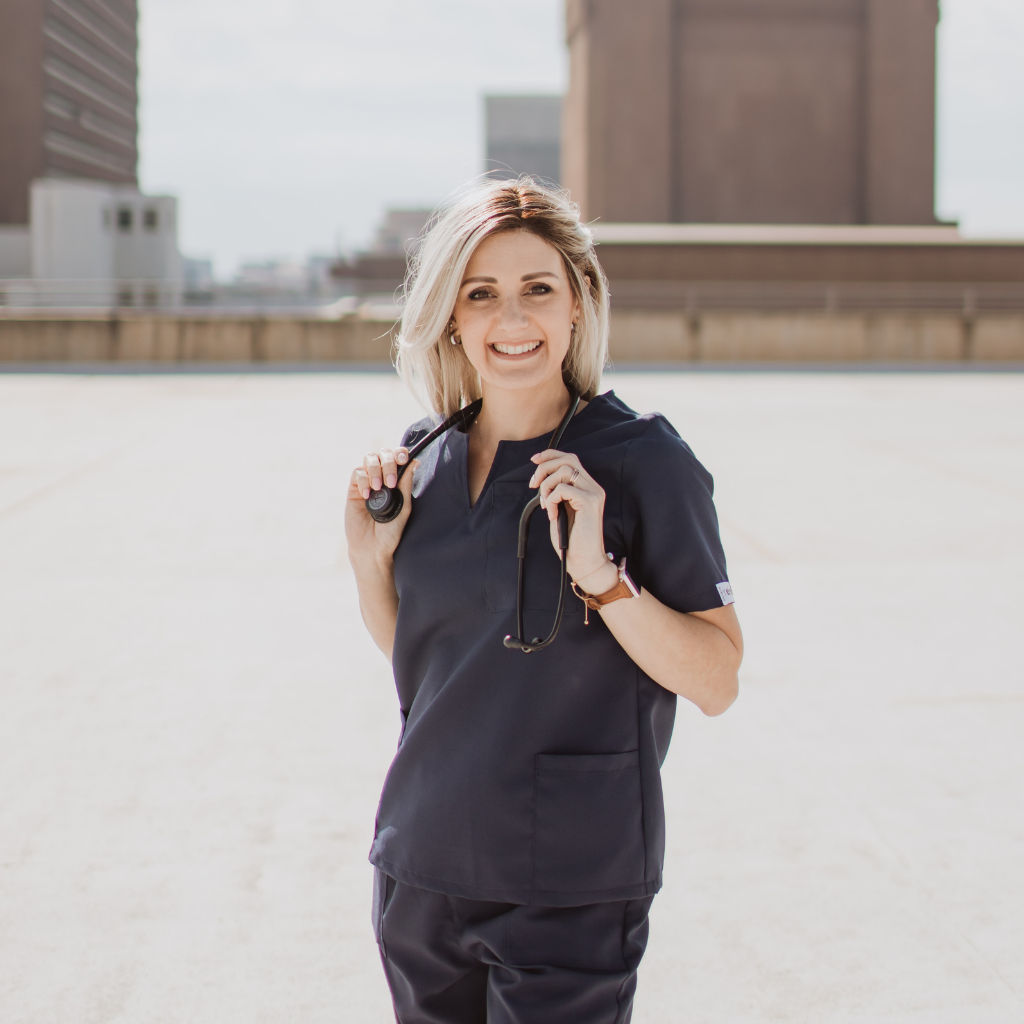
372	544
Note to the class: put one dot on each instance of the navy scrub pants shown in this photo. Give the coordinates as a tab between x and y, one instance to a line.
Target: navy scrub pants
450	960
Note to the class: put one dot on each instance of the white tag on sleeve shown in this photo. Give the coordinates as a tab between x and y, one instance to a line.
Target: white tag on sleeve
725	593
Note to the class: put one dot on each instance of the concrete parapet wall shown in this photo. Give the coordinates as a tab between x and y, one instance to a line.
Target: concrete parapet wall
184	339
814	337
636	336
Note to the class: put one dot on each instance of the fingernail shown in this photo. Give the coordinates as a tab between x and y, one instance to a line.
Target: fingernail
533	481
392	479
366	492
375	482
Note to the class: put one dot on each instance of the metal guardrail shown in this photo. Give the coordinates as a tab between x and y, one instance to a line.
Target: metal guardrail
111	297
968	300
92	294
691	297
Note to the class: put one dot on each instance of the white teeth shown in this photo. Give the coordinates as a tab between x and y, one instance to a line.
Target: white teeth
516	350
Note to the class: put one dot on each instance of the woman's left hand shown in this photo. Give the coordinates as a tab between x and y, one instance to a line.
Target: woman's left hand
561	477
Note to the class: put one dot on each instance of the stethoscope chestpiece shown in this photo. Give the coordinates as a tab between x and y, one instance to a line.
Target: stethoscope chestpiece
385	505
515	644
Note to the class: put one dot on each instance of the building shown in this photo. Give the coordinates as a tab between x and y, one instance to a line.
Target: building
524	136
68	96
74	228
92	244
399	231
752	111
378	275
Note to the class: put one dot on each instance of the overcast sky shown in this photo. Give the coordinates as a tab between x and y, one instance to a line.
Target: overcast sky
286	128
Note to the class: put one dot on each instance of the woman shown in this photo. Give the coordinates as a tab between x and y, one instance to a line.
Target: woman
520	835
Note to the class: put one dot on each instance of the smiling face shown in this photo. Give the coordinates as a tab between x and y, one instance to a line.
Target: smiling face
515	311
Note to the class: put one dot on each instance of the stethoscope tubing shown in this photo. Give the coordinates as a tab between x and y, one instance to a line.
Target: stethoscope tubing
537	644
385	503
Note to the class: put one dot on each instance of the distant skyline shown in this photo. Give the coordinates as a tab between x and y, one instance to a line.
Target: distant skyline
288	129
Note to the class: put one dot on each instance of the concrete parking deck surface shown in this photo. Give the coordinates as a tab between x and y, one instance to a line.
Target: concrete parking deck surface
194	726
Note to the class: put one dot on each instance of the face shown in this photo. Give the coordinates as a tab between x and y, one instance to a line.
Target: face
515	311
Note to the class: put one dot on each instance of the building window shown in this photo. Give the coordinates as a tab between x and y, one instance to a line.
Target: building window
150	221
124	219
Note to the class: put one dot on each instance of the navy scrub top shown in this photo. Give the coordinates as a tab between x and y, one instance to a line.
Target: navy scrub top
535	778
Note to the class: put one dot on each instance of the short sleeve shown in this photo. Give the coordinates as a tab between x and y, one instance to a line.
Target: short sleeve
428	459
669	522
418	430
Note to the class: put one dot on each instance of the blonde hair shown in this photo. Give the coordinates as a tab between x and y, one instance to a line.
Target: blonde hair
438	373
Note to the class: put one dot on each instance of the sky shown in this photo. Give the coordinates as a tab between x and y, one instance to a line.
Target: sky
286	128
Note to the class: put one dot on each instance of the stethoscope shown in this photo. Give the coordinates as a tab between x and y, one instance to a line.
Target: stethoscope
385	504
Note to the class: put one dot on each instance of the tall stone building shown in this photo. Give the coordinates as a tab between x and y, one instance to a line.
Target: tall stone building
68	95
752	111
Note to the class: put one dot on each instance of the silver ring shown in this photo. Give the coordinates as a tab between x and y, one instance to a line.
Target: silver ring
572	479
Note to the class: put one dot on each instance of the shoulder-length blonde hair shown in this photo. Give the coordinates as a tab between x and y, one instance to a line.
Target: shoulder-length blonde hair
439	373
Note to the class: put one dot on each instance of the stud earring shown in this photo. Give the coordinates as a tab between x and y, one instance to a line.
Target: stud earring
452	328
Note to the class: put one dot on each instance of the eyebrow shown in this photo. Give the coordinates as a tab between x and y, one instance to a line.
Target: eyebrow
525	277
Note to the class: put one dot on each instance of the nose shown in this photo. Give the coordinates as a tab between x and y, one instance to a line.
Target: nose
511	315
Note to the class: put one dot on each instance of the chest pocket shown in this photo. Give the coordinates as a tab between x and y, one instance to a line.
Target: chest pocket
508	500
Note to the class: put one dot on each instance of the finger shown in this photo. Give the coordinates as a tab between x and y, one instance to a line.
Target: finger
361	482
389	469
371	463
552	457
402	455
548	453
549	466
564	475
572	496
557	475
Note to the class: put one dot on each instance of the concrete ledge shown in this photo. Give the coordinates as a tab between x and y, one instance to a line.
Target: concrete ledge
652	336
814	337
179	339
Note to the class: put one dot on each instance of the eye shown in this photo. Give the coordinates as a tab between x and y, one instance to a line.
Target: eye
478	294
539	289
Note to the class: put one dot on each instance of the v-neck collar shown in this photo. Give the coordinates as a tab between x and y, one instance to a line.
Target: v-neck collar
503	446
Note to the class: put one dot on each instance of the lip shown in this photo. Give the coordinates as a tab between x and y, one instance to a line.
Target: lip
518	357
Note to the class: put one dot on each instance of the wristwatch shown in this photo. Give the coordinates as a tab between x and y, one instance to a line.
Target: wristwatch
624	588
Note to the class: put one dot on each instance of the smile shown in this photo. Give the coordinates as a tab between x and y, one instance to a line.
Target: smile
517	350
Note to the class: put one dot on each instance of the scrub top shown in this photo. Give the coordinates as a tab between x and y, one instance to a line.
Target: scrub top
535	778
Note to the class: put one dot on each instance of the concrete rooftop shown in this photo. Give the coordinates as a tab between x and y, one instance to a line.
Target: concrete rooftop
194	727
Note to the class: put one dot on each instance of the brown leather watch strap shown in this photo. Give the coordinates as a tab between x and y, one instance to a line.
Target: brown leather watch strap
597	601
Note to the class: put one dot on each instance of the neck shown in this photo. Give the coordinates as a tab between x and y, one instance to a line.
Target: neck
517	415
